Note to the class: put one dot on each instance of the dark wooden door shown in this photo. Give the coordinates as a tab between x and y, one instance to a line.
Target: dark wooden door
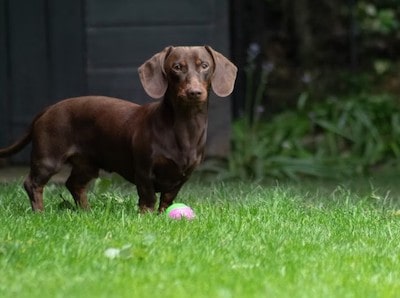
50	50
41	60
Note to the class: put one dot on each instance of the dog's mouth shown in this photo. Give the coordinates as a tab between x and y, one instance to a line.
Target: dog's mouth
192	102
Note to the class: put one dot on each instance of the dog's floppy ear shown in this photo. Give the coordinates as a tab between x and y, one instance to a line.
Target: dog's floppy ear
224	76
152	74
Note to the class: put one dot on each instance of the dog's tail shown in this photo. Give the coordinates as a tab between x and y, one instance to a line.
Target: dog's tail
17	146
21	142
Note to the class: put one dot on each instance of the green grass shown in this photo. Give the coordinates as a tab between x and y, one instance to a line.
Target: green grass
248	240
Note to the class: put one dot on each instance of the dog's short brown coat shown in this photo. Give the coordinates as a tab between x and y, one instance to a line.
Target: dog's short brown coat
155	146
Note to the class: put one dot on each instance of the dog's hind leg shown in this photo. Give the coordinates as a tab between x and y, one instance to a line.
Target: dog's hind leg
38	177
77	182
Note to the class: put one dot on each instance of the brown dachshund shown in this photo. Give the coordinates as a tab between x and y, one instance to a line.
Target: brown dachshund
155	146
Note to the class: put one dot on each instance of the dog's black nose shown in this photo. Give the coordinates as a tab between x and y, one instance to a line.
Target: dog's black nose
194	92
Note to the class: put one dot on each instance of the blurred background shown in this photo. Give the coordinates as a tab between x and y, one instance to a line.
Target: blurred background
317	93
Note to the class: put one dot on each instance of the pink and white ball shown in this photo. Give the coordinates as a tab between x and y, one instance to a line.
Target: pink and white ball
179	211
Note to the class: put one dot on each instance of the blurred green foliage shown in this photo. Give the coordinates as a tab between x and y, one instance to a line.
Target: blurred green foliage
334	139
328	77
374	17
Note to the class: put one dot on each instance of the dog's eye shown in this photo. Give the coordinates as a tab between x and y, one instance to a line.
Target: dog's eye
204	65
177	67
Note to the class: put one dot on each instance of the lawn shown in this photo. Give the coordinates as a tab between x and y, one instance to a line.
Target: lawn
248	240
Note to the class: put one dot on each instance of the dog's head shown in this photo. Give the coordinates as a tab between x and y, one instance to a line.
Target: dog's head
188	73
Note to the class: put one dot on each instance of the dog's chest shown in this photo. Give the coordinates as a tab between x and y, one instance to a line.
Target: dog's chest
176	152
171	171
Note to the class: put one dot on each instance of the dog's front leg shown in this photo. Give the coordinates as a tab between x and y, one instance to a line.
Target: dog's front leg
147	195
167	198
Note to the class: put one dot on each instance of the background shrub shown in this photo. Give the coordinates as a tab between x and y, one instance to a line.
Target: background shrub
331	139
